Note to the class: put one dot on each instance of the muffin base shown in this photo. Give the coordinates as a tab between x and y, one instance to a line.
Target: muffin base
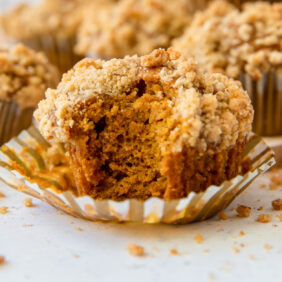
13	120
179	174
266	96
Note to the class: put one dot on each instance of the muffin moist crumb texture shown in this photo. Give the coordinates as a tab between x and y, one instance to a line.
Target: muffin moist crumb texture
147	126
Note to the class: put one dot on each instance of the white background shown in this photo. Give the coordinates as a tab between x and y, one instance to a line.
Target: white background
41	244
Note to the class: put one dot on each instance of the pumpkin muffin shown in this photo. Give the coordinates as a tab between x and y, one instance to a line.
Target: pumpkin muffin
245	45
24	77
49	26
132	27
147	126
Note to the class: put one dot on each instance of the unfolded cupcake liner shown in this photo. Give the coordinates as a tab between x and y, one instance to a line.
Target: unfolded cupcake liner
24	166
59	50
13	120
266	96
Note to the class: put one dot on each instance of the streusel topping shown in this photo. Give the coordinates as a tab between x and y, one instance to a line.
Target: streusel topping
132	27
60	16
25	75
206	111
226	40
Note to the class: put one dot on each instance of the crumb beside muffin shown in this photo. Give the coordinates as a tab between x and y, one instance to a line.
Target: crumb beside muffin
147	126
132	27
24	77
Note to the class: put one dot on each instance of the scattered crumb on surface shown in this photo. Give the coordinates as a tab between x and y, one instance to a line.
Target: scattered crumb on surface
212	277
27	225
252	257
28	203
206	251
260	208
78	229
2	195
135	250
243	211
263	186
235	250
267	247
273	187
277	178
264	218
241	233
198	238
242	245
222	216
3	210
277	204
2	260
174	252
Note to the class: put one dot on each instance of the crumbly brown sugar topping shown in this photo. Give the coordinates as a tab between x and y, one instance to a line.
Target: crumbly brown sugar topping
25	75
226	40
60	16
205	111
132	27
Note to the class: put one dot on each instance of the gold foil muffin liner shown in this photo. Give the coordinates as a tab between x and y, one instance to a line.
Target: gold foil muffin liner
266	96
24	166
59	50
13	120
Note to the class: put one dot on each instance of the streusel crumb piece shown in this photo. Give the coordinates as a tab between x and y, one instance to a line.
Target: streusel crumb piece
28	203
3	210
2	260
135	250
243	211
264	218
277	204
199	238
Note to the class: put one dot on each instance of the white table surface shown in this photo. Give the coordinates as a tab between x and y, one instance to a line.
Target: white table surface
42	244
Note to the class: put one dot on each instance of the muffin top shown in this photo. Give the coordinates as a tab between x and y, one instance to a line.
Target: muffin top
25	75
205	111
132	27
59	16
226	40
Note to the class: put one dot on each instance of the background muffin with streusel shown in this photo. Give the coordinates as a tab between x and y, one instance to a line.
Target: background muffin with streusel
24	77
245	45
132	27
49	26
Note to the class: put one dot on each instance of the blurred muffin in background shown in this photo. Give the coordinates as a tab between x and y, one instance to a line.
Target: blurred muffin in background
24	77
49	26
245	45
132	27
202	4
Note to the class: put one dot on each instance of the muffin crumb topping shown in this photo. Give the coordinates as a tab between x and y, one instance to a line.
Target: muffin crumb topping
25	75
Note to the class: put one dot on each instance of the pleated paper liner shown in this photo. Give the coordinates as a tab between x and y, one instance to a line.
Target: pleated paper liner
59	50
24	166
266	96
13	120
